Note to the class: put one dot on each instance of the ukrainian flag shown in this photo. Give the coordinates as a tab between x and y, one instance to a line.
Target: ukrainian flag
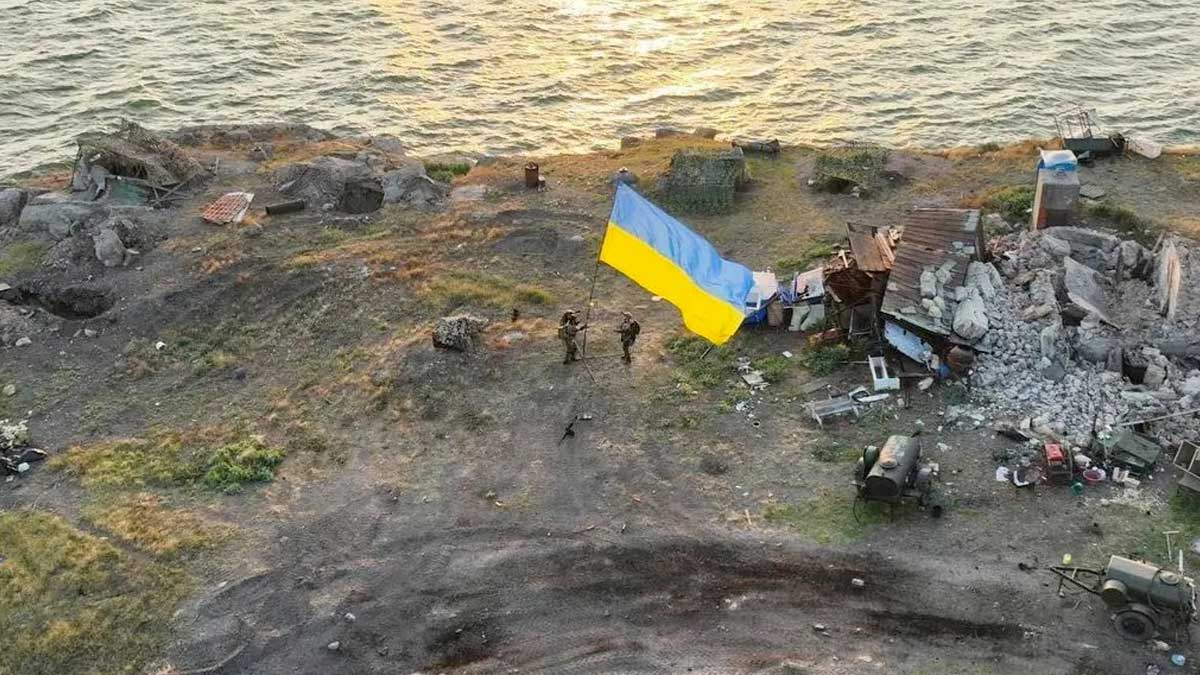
664	257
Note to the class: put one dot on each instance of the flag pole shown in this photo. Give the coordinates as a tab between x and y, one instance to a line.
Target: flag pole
595	273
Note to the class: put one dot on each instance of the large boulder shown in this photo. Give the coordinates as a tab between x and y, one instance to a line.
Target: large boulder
457	332
970	317
328	180
1094	349
109	249
1057	248
410	186
55	217
12	201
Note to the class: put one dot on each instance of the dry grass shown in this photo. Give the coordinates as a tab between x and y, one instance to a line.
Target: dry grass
1019	150
147	522
73	603
291	152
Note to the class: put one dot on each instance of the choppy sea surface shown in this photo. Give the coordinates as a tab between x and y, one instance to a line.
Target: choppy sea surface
556	75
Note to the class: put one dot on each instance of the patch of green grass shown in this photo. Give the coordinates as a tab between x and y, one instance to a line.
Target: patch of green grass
1013	202
834	453
466	289
774	368
446	172
827	517
1139	534
821	361
817	252
1126	219
699	363
21	256
210	460
73	603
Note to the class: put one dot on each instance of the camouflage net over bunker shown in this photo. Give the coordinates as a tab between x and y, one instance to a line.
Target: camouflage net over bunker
705	181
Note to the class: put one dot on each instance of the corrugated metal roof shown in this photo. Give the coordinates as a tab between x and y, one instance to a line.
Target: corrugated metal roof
872	247
930	238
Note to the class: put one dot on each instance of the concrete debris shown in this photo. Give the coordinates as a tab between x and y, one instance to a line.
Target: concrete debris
457	332
1052	348
970	317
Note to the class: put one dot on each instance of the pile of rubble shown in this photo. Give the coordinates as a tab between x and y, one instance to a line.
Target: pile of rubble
16	455
1084	332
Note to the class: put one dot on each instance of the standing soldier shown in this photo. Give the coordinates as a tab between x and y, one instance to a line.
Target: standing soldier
567	332
629	330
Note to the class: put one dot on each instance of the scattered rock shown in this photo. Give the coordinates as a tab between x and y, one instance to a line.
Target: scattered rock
334	646
630	142
10	390
705	132
1155	376
984	277
1055	246
23	342
928	283
411	187
90	332
1094	349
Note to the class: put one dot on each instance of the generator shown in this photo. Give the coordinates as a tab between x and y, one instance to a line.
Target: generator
1144	599
894	473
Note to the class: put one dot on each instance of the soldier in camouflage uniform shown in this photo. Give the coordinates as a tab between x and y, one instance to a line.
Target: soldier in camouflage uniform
629	330
568	331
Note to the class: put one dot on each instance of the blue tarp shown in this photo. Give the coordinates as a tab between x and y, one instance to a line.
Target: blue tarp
1058	159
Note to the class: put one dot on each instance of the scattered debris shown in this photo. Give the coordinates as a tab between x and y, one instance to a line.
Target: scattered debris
16	454
228	209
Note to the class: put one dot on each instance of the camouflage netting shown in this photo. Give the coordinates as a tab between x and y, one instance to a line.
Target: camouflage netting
845	169
705	181
136	152
330	180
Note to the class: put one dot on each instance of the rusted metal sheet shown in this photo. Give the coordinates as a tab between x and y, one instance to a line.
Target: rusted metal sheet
872	247
229	209
929	239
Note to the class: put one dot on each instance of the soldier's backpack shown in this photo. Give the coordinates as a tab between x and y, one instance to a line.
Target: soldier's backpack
635	329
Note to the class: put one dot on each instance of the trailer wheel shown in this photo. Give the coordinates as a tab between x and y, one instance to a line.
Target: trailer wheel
1135	622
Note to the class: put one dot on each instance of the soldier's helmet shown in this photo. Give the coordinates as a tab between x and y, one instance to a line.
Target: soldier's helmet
627	315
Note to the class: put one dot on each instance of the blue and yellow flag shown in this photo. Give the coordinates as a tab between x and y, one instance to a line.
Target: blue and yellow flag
664	257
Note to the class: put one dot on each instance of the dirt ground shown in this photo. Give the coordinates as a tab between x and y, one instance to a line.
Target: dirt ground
432	515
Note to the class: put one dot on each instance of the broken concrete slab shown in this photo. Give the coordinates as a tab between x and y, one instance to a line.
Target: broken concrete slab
1086	237
1084	289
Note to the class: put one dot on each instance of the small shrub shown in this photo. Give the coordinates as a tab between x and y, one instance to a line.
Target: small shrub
444	173
713	466
822	361
700	363
1013	203
246	461
774	368
532	295
990	146
817	252
1124	218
